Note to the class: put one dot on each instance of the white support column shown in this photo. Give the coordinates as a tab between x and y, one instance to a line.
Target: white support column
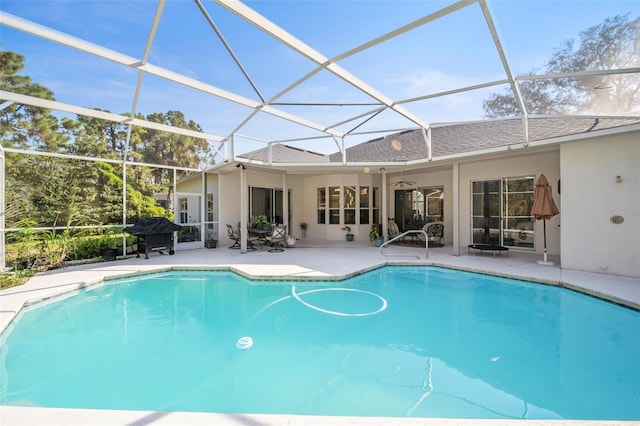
456	209
203	209
285	203
124	206
175	204
385	206
244	213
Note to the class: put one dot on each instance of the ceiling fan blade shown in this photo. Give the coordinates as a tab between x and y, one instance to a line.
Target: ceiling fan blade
402	183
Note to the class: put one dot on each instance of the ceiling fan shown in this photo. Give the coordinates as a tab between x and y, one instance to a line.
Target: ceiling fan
402	182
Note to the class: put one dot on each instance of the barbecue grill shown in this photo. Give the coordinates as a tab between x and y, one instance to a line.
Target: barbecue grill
157	233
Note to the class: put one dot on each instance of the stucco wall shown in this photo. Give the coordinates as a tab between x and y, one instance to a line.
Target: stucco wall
591	195
525	164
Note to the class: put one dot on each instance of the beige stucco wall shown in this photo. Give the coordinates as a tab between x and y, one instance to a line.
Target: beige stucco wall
524	164
590	242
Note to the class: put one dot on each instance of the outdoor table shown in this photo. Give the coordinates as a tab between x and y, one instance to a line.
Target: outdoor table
261	233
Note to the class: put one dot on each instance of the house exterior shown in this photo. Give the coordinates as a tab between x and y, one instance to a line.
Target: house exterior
475	177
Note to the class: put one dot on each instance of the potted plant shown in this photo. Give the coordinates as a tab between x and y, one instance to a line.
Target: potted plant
109	253
303	226
348	231
212	240
374	236
261	221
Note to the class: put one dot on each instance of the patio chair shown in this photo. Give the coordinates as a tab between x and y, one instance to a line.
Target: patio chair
393	230
234	234
435	234
277	238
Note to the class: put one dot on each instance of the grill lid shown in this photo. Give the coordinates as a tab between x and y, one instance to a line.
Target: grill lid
152	226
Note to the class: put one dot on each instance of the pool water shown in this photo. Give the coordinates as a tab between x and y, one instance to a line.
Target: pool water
396	341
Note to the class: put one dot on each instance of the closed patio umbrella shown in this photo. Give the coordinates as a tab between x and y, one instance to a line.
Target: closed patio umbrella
544	208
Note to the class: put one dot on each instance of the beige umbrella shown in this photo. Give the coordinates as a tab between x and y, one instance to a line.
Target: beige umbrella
544	208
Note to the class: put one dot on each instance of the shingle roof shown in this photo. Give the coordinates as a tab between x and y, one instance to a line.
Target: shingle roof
449	139
286	154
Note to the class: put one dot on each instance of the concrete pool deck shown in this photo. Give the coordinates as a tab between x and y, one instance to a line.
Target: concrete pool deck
309	259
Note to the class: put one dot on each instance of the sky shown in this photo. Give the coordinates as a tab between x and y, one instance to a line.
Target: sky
452	52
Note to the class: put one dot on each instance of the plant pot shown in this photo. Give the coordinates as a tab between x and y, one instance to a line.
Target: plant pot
211	244
349	237
378	241
109	254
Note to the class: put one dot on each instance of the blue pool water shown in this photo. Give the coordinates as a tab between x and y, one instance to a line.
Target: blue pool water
397	341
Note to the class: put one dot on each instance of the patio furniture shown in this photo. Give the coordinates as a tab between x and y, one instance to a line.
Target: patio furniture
258	236
393	229
234	234
435	234
487	247
277	238
156	233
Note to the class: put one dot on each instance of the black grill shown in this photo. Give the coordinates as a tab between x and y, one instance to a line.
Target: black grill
156	232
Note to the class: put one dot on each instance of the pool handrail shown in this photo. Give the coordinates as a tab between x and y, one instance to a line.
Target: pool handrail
410	231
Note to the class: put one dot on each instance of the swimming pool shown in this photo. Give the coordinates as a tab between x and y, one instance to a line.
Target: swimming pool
396	341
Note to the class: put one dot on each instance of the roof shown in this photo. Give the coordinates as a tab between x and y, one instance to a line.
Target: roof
448	139
286	154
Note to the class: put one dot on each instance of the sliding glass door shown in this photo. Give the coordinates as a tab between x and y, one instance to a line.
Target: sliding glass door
268	202
501	212
415	207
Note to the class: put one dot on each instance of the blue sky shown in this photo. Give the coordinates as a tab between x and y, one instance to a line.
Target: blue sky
452	52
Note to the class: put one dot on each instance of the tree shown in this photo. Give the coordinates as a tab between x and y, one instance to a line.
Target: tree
173	149
51	190
24	126
614	44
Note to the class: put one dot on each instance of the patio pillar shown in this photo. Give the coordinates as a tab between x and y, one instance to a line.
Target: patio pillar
456	209
285	203
244	196
385	206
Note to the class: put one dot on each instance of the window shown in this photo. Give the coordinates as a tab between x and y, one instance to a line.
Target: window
364	205
501	212
434	204
322	205
334	205
210	214
268	202
184	210
517	222
349	205
354	205
376	205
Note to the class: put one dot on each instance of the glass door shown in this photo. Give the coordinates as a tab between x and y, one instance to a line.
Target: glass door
415	207
189	217
486	212
501	212
268	202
